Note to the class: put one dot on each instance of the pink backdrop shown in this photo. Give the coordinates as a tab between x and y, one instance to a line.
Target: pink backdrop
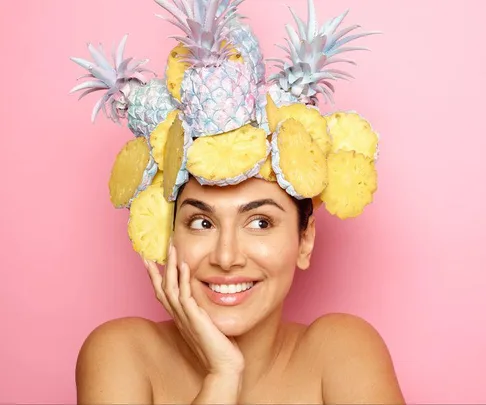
412	265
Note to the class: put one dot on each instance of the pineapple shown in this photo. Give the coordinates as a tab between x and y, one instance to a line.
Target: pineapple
127	92
158	178
229	158
352	183
217	94
298	161
132	172
349	131
175	69
310	51
158	138
266	172
150	224
312	120
174	162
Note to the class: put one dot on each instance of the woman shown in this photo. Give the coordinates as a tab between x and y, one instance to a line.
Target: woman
233	177
235	348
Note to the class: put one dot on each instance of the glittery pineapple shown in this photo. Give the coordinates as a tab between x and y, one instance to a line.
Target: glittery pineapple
217	93
127	92
310	51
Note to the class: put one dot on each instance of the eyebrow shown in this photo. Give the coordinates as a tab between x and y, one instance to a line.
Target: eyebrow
252	205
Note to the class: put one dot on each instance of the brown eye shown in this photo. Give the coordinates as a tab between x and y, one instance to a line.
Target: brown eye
201	223
259	223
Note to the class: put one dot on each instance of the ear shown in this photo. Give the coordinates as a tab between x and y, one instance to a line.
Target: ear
307	244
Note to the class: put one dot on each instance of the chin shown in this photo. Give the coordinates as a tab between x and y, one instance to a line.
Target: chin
231	325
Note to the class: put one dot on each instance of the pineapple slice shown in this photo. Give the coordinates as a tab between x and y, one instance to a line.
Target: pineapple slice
349	131
266	172
228	158
158	178
352	182
158	138
175	155
298	161
150	224
312	120
175	70
132	172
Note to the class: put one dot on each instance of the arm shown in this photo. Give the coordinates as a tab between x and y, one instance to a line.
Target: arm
358	368
109	370
220	389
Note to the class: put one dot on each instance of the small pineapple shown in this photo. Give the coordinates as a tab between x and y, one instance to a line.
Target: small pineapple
229	158
310	51
127	92
349	131
174	161
158	138
132	172
150	224
217	94
352	183
298	161
310	117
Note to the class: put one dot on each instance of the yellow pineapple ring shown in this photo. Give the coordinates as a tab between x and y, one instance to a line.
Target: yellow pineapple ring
298	161
175	70
349	131
228	158
266	171
312	120
158	138
158	178
174	170
352	183
133	170
150	224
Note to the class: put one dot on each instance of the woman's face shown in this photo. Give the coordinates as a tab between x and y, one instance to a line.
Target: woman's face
242	245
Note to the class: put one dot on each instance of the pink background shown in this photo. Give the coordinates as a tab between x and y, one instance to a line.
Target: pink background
412	265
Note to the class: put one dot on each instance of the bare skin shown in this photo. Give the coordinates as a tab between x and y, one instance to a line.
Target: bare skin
244	353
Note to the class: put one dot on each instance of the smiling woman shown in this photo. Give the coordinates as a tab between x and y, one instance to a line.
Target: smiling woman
222	182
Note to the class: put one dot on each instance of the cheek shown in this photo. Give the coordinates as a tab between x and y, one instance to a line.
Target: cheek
190	251
277	256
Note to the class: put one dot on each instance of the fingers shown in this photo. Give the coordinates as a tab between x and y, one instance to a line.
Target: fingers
157	280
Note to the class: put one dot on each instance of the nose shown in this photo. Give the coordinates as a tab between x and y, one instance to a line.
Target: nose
227	253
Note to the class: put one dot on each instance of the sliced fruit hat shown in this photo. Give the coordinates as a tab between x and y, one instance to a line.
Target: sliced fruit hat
215	116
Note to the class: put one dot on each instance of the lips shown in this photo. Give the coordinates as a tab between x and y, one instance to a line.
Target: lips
230	294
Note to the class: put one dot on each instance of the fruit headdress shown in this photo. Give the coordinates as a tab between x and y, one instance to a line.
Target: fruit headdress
215	116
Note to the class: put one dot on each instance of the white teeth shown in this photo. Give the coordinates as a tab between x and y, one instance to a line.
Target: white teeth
231	288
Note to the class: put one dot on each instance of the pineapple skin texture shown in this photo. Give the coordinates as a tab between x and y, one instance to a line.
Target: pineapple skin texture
132	172
150	224
352	183
216	100
149	105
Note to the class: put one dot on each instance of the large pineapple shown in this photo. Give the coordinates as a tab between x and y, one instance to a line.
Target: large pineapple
128	94
310	52
217	93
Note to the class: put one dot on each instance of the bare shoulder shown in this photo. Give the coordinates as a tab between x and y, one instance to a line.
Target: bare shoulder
111	364
357	366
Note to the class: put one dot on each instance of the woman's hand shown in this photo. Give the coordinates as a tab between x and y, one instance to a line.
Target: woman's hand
219	354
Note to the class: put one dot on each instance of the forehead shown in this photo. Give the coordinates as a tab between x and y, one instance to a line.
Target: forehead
242	193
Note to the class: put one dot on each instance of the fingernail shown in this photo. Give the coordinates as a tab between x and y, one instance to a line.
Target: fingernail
145	262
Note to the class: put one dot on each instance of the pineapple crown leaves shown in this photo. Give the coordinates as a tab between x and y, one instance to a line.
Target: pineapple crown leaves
311	49
205	23
112	79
